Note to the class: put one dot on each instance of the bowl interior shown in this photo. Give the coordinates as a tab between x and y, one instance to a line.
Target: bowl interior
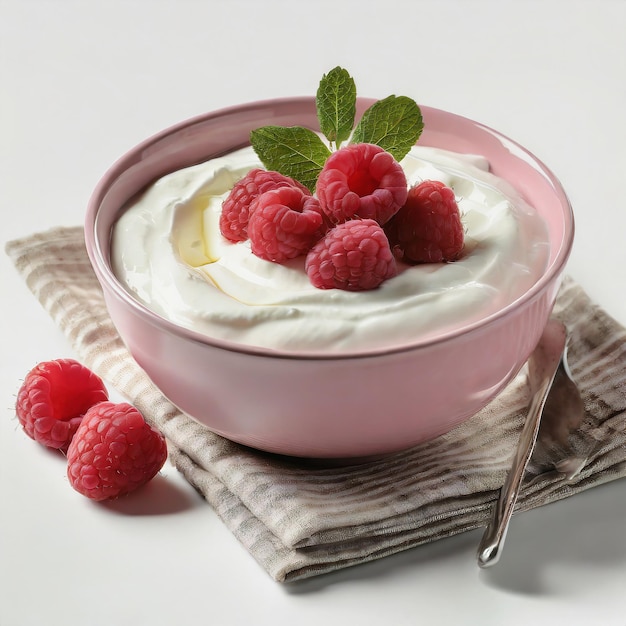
214	134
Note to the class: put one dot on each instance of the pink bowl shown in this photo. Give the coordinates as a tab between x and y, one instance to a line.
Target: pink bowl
337	406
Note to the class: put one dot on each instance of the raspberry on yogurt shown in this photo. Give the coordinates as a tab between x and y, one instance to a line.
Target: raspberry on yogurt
361	180
428	228
238	205
284	224
354	256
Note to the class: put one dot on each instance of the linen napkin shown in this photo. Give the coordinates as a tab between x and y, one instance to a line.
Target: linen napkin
299	518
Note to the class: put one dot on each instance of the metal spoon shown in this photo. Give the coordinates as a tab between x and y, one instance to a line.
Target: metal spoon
542	367
565	441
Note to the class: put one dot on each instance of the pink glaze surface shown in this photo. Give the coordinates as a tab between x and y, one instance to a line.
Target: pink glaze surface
343	405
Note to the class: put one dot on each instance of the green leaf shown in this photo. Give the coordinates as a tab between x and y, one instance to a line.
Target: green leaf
394	124
336	105
293	151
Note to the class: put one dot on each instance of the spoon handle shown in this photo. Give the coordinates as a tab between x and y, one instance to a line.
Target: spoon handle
543	364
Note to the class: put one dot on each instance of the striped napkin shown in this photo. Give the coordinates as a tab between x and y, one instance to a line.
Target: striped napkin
299	518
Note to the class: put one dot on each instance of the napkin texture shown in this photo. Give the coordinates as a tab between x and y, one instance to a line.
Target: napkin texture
301	518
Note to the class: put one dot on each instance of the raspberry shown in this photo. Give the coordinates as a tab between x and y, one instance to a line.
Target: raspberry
285	223
114	452
53	399
361	180
427	229
353	256
236	208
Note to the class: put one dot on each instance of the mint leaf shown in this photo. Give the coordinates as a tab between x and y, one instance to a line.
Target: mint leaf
293	151
394	124
336	105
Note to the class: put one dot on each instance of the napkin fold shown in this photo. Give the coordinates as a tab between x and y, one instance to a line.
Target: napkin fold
300	518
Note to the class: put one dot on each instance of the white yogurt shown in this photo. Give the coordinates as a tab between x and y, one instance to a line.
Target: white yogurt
168	251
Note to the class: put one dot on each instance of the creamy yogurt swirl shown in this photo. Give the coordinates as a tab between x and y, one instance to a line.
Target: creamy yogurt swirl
168	252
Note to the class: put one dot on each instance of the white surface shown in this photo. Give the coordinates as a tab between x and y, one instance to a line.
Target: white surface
84	81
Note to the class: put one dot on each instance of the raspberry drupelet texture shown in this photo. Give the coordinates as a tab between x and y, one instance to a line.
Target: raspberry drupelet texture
361	180
285	223
114	451
353	256
237	206
53	399
428	228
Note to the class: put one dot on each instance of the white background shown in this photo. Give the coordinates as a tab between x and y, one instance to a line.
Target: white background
84	81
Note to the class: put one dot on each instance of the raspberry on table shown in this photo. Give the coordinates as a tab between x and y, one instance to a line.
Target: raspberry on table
53	399
236	208
428	228
284	224
361	180
114	451
354	256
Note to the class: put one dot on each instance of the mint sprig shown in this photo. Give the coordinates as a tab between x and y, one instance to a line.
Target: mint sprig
395	124
336	105
295	151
